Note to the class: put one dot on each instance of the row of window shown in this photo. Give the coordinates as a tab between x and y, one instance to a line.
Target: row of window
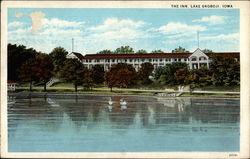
136	60
200	58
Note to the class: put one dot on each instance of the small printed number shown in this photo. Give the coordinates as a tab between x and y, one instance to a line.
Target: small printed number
232	155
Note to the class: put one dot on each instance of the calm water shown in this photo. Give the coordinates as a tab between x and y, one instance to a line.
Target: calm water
88	124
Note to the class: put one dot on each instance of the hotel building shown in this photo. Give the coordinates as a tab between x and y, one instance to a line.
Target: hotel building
194	60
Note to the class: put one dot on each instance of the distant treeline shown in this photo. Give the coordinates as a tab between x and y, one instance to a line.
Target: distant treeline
130	50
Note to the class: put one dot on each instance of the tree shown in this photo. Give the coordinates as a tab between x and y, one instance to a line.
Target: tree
207	51
144	72
105	52
226	71
200	77
121	75
27	72
141	51
181	76
124	50
180	50
88	81
166	74
98	74
58	56
73	71
157	51
18	55
43	68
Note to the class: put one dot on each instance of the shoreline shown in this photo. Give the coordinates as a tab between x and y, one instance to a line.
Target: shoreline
27	94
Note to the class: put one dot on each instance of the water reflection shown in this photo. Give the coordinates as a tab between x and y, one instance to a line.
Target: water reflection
145	118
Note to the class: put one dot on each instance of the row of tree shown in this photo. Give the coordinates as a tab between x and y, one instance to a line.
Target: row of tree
130	50
223	71
28	65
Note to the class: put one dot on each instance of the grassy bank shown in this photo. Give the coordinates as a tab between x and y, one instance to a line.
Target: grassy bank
93	91
222	95
70	90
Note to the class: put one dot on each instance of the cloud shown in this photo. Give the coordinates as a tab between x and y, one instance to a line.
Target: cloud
15	24
222	42
58	23
212	20
19	15
36	18
116	24
113	33
177	29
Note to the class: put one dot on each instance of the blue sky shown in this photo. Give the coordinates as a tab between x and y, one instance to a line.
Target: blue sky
96	29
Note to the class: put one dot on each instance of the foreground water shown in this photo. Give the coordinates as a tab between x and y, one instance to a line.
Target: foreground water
145	124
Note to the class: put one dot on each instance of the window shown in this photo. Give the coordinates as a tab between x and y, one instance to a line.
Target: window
130	60
160	60
193	59
202	58
179	59
113	60
149	60
175	59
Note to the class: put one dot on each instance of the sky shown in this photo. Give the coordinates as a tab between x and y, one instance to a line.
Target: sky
96	29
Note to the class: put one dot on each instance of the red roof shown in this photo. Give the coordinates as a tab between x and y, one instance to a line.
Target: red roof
224	54
78	55
149	55
9	81
156	55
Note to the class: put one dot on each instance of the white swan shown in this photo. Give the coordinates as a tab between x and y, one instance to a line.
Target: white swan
123	104
110	101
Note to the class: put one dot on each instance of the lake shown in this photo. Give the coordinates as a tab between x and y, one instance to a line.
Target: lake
145	124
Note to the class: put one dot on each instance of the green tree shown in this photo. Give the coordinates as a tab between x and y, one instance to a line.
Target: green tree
157	51
43	68
141	51
73	71
207	51
124	50
144	72
18	55
105	52
98	74
120	75
226	71
200	77
58	56
88	81
166	74
181	76
180	50
27	72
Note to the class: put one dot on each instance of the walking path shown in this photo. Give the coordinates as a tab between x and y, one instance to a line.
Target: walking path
162	90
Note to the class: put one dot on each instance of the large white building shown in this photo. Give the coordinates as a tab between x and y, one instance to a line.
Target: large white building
194	60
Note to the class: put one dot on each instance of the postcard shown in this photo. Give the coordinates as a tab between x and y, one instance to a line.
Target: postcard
125	79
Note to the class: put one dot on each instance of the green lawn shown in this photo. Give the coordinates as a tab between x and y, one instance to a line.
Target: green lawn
83	91
210	95
70	90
